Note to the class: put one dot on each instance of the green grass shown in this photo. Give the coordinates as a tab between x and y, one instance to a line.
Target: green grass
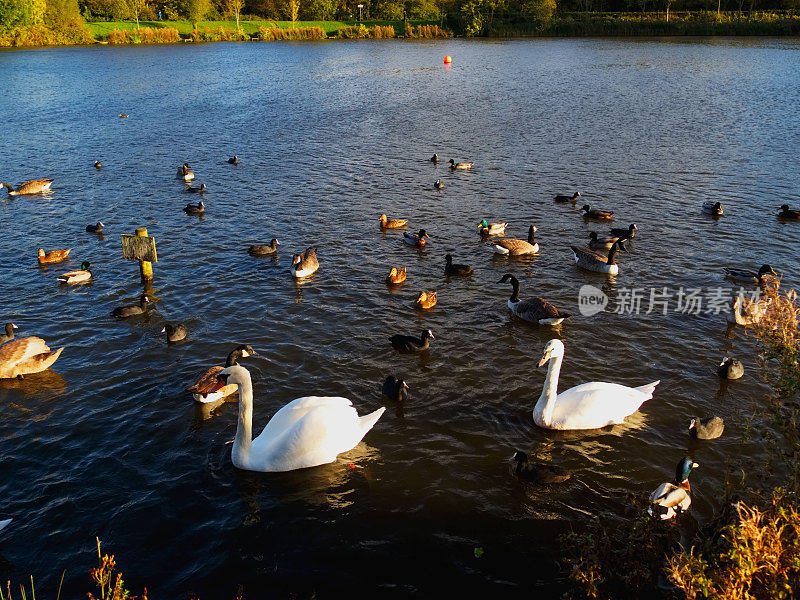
101	29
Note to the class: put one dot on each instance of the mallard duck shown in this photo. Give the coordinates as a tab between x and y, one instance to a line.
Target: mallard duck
395	389
747	276
538	472
434	159
175	333
396	276
562	198
185	172
425	300
486	228
53	256
709	428
514	247
592	261
9	335
416	239
392	223
438	184
730	368
197	190
601	243
195	209
29	188
97	164
305	263
789	213
81	275
410	344
95	228
596	214
234	160
671	499
262	250
712	208
203	390
25	356
461	166
451	269
132	310
534	310
586	406
625	234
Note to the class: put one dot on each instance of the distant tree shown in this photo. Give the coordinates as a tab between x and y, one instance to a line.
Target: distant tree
294	8
136	7
59	12
668	2
14	13
196	10
234	8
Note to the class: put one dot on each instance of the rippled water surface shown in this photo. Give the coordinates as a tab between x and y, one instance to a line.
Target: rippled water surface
329	136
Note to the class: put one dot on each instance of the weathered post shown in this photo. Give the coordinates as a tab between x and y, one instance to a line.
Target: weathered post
141	247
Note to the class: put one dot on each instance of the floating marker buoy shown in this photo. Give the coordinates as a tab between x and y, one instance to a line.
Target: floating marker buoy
447	60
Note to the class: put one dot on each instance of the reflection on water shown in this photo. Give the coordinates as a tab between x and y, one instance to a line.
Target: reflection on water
112	444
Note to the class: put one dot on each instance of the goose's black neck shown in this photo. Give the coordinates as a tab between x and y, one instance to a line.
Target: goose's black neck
530	234
515	289
612	254
233	357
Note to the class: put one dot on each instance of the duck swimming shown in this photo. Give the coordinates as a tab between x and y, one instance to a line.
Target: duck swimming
671	499
95	228
596	214
514	247
305	263
712	208
392	223
395	389
264	250
185	172
54	256
465	166
410	344
132	310
706	429
625	234
451	269
730	368
175	333
81	275
789	213
234	160
193	190
486	228
9	334
26	356
195	209
747	276
533	310
538	472
416	239
29	188
396	276
563	198
425	300
592	261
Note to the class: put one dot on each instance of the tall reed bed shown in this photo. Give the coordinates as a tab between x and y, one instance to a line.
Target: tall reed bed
144	35
426	32
276	34
218	34
70	34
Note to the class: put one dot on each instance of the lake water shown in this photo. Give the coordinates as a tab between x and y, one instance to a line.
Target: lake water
329	136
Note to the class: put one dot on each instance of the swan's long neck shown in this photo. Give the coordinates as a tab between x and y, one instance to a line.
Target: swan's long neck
550	390
244	429
737	312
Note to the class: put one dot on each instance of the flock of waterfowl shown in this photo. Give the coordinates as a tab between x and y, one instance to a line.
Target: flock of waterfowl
313	430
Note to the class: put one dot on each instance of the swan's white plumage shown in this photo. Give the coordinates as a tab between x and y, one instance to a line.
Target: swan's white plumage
306	432
586	406
4	523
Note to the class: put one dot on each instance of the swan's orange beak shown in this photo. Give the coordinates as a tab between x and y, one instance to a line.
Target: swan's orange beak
544	359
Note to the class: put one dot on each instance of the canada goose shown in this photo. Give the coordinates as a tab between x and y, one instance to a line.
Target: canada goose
451	269
538	472
234	160
592	261
81	275
195	209
712	208
392	223
305	263
709	428
97	164
29	188
425	300
534	310
95	228
396	276
262	250
175	333
460	166
748	276
416	239
438	184
185	172
596	214
409	344
598	243
672	499
395	389
625	234
194	190
25	356
789	213
486	228
562	198
203	390
53	256
730	368
9	335
434	159
132	310
514	247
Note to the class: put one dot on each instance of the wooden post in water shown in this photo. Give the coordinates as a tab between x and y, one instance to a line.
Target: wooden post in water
141	247
145	267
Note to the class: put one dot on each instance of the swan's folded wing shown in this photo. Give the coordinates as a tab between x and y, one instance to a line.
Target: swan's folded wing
16	351
596	404
291	413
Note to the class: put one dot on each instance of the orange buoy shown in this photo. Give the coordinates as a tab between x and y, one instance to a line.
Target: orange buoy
447	60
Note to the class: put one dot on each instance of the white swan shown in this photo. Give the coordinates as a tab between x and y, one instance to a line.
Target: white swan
4	523
306	432
586	406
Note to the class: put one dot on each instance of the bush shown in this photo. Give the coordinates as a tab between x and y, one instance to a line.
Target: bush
275	34
352	32
145	35
426	32
379	32
39	35
220	34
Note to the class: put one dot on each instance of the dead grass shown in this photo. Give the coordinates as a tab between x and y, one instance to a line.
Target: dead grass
145	35
276	34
